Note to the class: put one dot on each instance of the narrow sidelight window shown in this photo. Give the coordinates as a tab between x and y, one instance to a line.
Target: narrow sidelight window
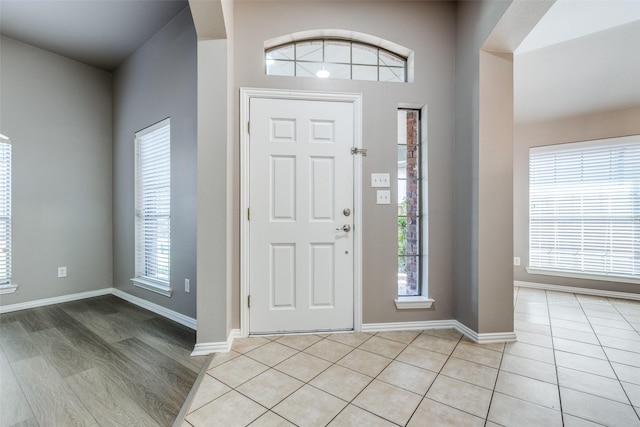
5	211
409	203
153	208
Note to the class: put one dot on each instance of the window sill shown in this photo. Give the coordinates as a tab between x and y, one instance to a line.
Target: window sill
8	289
575	275
152	286
406	303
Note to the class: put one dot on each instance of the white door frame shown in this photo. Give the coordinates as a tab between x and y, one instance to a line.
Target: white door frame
356	99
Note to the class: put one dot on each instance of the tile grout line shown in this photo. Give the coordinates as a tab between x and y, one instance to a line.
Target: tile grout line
553	351
332	364
428	388
298	351
376	377
495	383
548	305
436	378
607	356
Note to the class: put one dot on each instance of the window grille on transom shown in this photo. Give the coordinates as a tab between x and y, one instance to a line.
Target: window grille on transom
336	58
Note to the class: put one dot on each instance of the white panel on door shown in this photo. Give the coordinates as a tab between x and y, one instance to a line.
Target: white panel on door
322	131
301	180
283	130
283	188
322	272
322	191
283	275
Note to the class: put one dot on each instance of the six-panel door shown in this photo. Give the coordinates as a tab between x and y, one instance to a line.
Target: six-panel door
301	195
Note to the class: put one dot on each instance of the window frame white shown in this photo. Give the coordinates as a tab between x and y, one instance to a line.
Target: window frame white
147	228
421	301
6	284
606	147
298	63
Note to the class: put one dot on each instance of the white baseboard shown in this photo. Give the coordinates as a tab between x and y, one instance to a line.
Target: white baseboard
54	300
203	349
408	326
165	312
187	321
576	290
485	338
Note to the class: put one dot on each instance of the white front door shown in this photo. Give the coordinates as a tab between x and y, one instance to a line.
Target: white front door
301	260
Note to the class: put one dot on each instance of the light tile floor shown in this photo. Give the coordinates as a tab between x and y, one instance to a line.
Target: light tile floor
576	363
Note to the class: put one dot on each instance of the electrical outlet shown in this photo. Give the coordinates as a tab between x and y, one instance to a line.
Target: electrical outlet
383	197
62	271
516	260
187	285
380	180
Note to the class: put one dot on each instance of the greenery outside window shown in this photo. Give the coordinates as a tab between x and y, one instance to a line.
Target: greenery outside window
409	203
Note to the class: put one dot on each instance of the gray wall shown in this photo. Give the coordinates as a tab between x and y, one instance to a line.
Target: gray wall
156	82
428	28
475	21
58	115
213	297
594	126
215	124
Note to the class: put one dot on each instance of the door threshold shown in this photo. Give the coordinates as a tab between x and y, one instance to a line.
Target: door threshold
316	332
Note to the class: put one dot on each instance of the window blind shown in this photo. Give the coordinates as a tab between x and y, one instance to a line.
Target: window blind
153	204
5	212
584	212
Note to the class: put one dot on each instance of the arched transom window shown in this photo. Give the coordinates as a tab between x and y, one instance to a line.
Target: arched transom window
337	59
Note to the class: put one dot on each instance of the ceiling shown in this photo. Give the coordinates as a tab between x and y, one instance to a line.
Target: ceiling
582	57
568	20
101	33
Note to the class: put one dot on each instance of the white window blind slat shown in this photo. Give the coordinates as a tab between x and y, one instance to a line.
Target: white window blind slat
153	203
5	212
584	212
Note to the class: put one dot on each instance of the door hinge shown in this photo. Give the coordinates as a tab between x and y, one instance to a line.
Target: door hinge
249	128
356	150
248	214
249	301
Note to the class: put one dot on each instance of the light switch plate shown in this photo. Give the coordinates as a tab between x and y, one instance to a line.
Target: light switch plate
380	180
383	197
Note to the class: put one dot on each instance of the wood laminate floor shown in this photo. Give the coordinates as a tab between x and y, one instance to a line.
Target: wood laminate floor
96	362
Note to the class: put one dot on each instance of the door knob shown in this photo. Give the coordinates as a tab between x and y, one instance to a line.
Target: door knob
346	228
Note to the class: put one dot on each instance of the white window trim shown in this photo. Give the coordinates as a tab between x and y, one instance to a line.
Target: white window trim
409	303
421	301
158	286
153	286
8	289
577	275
